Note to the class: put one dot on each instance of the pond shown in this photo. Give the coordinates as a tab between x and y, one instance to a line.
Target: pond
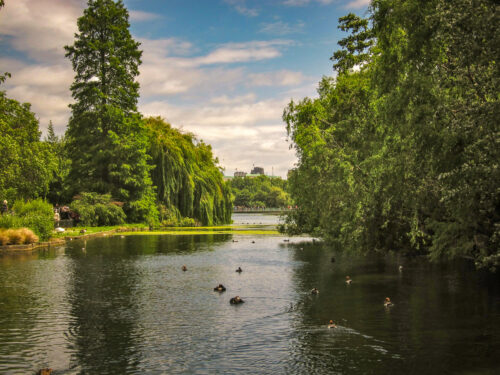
118	305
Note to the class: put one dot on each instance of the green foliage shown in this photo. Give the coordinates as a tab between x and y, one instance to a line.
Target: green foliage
403	154
260	191
26	163
97	210
36	215
106	139
188	181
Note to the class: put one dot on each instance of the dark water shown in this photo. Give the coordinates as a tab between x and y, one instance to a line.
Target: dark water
123	306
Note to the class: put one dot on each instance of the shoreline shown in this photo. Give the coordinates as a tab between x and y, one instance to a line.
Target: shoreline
144	231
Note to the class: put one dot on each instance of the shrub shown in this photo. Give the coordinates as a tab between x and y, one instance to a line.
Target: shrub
15	236
4	239
36	215
97	210
10	221
29	236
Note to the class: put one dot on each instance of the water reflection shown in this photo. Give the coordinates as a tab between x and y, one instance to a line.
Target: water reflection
102	335
123	305
429	329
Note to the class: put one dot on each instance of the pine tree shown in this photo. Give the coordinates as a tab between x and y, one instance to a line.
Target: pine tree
106	138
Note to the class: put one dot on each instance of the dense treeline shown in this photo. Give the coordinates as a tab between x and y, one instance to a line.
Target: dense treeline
112	164
401	150
260	191
188	181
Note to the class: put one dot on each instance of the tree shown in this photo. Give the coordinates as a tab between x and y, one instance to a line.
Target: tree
403	154
106	138
188	180
26	163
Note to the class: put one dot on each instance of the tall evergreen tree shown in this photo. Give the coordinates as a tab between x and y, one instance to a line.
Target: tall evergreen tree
106	139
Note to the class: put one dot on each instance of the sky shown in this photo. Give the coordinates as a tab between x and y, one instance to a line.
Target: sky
221	69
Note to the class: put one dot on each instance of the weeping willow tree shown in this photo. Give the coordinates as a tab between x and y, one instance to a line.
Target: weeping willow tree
187	178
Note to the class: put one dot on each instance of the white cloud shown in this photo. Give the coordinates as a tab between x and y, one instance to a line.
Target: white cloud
296	3
281	28
243	52
240	6
278	78
140	16
224	99
202	93
357	4
40	28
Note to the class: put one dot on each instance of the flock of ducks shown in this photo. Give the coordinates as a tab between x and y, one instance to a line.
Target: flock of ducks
387	302
221	288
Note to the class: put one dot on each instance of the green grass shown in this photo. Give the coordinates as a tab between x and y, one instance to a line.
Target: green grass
199	230
75	231
221	229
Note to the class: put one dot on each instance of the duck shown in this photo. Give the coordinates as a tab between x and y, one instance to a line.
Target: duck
332	259
235	240
83	231
220	288
387	302
314	291
184	268
239	270
286	240
348	280
253	241
331	324
236	300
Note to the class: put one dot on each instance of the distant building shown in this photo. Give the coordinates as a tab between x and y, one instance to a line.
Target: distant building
240	174
257	170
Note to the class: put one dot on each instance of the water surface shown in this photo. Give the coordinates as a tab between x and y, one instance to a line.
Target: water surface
124	306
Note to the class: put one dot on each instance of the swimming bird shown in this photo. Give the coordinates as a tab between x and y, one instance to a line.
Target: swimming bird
184	268
239	270
387	302
83	231
253	241
236	300
332	259
220	288
348	280
331	324
286	240
314	291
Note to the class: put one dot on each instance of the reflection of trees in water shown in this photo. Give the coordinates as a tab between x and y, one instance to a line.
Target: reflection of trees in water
443	313
104	299
27	308
102	331
164	244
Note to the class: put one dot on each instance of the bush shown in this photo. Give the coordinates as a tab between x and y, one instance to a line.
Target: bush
4	239
143	210
97	210
29	236
36	215
15	236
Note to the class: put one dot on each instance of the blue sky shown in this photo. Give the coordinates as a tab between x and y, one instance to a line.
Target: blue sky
221	69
